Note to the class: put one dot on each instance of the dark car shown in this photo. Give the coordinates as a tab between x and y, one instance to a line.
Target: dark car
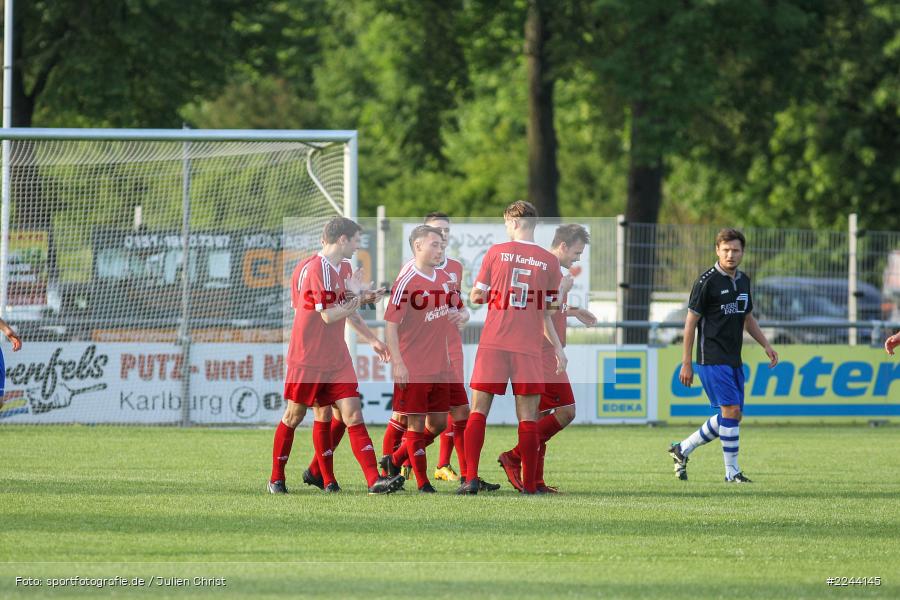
870	303
793	302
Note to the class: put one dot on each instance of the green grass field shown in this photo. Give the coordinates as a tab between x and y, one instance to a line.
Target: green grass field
161	502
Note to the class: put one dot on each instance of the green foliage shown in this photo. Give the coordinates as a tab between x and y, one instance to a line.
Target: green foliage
124	64
763	113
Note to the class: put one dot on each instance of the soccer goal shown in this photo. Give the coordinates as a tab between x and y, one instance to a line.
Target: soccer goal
144	269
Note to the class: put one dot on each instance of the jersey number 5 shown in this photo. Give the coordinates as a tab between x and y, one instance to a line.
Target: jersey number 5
521	287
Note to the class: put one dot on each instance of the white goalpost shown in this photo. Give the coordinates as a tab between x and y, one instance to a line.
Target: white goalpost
119	243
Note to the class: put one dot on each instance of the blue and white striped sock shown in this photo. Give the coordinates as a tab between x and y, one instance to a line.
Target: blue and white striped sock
729	433
707	433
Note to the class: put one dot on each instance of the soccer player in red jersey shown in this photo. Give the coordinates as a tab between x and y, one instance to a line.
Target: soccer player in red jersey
453	436
557	405
519	281
324	293
423	308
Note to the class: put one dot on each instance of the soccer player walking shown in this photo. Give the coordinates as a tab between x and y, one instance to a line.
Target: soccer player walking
557	404
519	281
720	306
320	373
424	306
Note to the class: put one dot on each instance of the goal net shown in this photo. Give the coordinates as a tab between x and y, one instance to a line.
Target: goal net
145	277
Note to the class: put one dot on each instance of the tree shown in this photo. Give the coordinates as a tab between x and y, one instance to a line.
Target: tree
682	72
124	64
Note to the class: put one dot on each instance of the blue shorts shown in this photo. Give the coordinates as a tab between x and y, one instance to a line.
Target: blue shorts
2	375
723	384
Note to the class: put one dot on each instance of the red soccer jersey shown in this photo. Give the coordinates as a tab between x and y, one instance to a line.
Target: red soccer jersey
519	280
315	286
454	270
420	305
559	320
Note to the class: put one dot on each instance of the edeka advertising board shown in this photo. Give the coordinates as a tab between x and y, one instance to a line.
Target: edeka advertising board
809	384
114	382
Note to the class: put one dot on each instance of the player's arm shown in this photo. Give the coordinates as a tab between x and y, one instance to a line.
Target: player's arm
11	335
399	372
690	329
459	314
564	287
583	315
367	335
696	305
550	334
340	311
460	317
751	325
479	292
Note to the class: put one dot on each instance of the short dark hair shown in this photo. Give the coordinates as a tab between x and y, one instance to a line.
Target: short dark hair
436	216
729	235
569	234
422	231
524	211
337	227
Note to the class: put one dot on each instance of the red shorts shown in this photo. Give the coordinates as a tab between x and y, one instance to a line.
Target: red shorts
457	374
304	385
557	389
494	368
458	395
422	398
457	378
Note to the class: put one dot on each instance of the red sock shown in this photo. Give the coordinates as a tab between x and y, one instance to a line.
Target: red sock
324	452
401	456
364	451
474	442
539	472
528	448
547	427
281	450
459	442
447	437
516	454
393	437
337	432
415	445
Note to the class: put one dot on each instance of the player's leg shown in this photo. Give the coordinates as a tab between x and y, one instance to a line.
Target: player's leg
445	451
335	433
528	386
363	449
489	377
401	456
732	403
457	420
474	438
556	410
415	449
526	413
434	424
459	414
300	389
393	435
548	426
321	471
707	432
281	446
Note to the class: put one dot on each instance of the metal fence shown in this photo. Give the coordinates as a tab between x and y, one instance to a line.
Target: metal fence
808	283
